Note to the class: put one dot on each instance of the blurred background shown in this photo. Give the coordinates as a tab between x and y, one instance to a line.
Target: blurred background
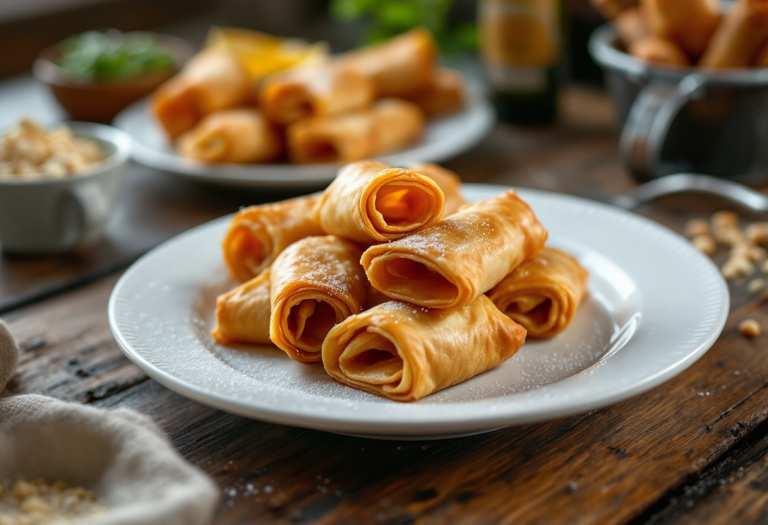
28	26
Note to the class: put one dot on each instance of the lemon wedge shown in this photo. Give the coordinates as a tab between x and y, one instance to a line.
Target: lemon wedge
264	54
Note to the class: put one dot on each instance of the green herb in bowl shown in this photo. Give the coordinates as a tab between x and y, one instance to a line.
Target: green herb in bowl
113	55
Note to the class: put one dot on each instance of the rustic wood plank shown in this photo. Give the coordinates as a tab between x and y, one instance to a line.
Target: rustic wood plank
68	350
735	491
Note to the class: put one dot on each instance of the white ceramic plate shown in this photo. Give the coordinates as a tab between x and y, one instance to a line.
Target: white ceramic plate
444	138
655	306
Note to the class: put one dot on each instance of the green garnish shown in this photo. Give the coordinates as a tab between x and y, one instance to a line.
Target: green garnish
113	55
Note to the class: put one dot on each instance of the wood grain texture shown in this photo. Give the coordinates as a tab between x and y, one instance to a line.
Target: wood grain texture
656	458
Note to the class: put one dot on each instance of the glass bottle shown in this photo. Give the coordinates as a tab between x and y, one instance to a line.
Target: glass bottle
521	42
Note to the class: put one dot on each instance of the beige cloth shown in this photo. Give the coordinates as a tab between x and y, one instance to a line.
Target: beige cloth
119	454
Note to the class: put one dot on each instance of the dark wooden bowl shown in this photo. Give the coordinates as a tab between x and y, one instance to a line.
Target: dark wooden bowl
100	101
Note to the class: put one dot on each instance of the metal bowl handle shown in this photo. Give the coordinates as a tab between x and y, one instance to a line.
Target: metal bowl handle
649	120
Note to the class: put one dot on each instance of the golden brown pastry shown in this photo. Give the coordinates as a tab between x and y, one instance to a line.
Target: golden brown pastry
242	314
211	81
444	94
631	27
397	123
233	135
453	262
740	37
370	202
688	23
404	353
398	67
316	282
762	57
543	293
610	9
317	91
449	183
390	124
258	234
660	51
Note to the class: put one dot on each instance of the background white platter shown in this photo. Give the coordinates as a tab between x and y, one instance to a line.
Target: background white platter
655	306
444	138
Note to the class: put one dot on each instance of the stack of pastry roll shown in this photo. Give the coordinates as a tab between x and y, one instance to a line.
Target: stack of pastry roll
393	282
692	32
359	105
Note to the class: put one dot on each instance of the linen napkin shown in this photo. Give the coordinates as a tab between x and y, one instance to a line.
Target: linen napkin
120	455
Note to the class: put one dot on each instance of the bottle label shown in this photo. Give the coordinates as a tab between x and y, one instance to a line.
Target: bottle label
520	40
508	78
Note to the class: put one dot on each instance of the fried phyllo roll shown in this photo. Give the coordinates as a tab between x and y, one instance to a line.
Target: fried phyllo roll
399	67
688	23
258	234
631	27
660	51
610	9
242	314
449	183
370	202
316	282
389	125
543	293
213	80
397	124
444	93
740	37
404	353
233	135
316	91
762	57
453	262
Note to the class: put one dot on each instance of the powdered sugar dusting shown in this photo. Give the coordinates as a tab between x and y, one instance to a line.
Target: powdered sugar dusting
468	232
327	263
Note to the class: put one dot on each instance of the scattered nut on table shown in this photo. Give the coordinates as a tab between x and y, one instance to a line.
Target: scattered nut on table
705	243
728	235
696	227
748	251
749	328
755	285
737	267
724	219
757	232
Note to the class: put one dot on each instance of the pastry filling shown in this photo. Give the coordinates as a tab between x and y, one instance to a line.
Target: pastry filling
210	146
403	205
408	278
536	309
293	104
373	359
309	322
246	247
320	149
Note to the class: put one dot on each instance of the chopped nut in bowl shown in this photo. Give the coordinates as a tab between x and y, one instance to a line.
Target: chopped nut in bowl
58	187
30	152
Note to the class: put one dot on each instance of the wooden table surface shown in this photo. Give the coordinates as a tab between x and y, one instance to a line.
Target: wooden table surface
690	451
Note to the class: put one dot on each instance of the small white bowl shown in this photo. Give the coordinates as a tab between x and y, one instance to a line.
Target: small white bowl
50	216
